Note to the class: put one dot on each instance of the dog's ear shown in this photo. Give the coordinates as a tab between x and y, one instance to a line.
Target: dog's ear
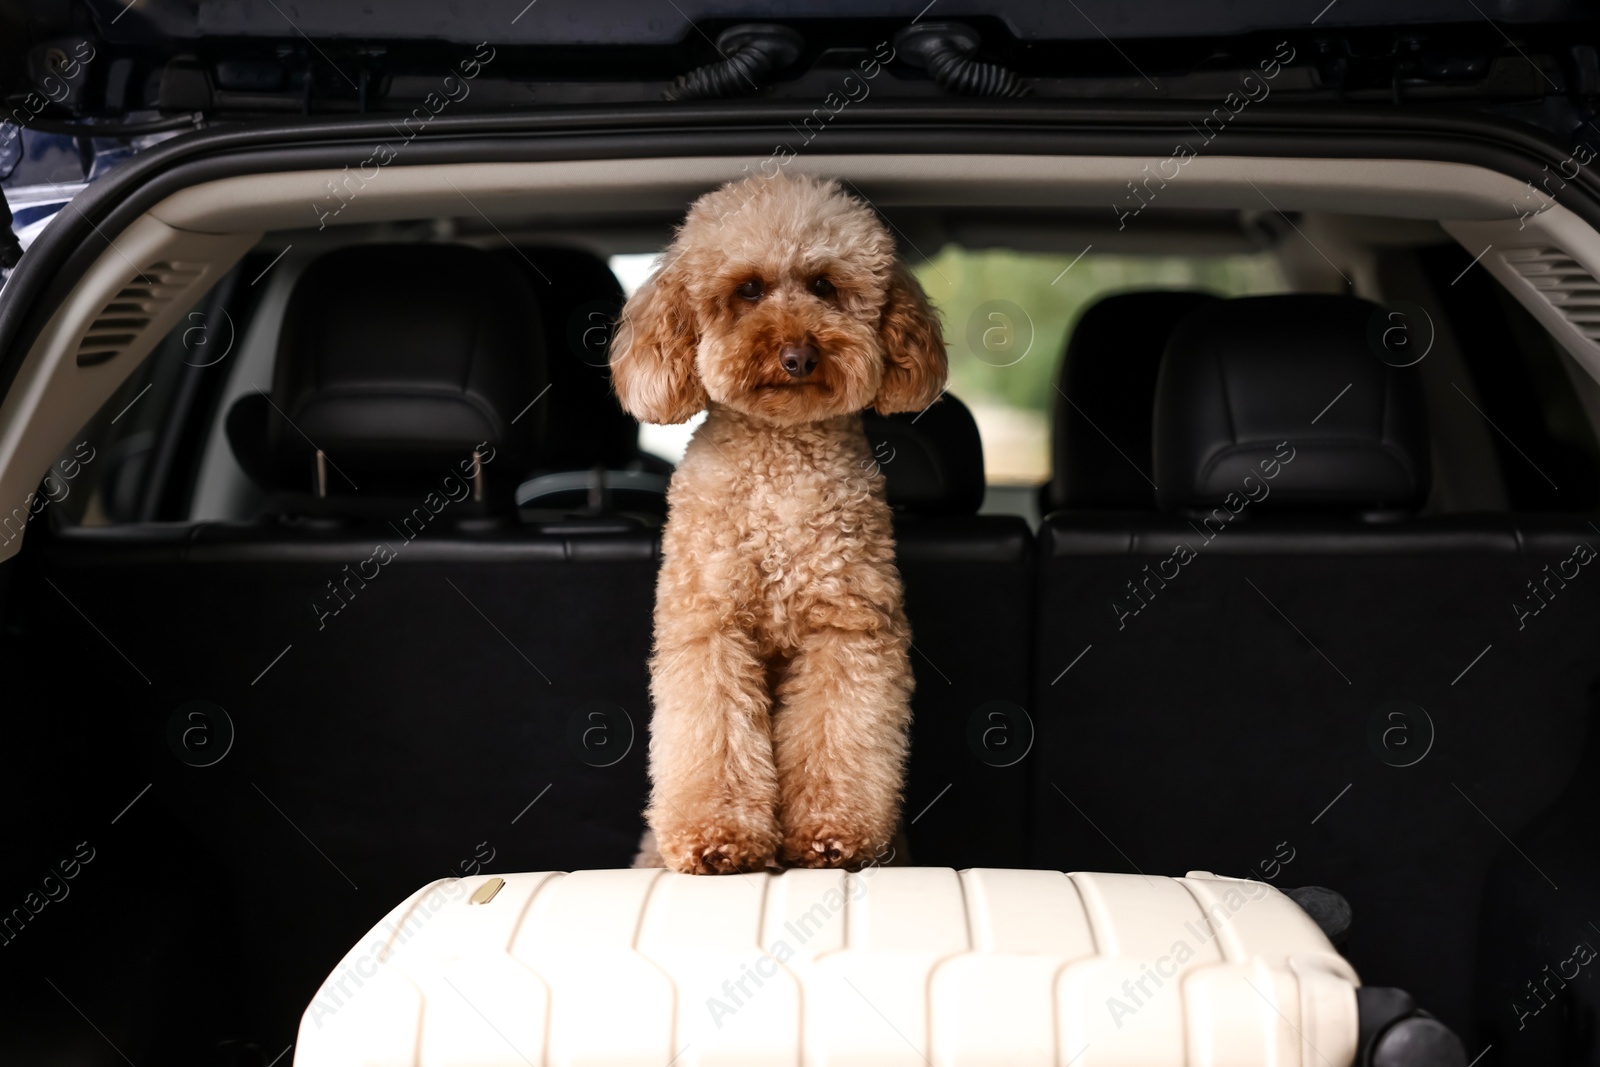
913	346
652	352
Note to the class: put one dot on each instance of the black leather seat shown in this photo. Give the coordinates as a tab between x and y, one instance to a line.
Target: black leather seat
969	592
1240	377
581	300
1289	674
589	459
1104	389
403	687
401	715
397	362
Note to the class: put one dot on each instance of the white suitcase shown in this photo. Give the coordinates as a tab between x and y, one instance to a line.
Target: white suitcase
891	966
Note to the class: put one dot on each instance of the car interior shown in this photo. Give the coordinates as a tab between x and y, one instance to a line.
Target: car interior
358	499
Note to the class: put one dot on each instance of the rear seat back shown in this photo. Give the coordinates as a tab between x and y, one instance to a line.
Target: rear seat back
581	299
1100	417
1290	676
475	702
589	459
968	589
417	690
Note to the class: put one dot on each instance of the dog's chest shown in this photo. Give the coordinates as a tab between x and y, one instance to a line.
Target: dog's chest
772	527
806	545
801	519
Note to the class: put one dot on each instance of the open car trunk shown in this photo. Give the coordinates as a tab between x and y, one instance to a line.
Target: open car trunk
257	697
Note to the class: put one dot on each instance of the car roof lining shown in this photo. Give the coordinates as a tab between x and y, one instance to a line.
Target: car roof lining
208	227
1409	189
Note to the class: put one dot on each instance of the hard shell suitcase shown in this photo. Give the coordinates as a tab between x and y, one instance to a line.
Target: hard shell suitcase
889	966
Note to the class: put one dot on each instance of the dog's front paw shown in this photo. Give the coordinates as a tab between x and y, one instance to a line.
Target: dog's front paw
831	846
709	850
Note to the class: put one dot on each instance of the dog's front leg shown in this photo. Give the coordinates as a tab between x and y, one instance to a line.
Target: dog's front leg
839	735
714	788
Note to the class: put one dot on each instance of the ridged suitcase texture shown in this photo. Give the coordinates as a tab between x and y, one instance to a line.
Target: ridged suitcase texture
890	966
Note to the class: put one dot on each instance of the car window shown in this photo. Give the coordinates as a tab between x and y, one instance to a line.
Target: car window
1007	317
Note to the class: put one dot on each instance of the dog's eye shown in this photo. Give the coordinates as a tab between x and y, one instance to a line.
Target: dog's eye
822	287
751	290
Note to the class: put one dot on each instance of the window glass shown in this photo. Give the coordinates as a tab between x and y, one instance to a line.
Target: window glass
1007	317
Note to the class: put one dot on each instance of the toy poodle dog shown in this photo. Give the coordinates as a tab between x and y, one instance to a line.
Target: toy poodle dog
780	677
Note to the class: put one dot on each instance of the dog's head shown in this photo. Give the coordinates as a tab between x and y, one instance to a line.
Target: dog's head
781	298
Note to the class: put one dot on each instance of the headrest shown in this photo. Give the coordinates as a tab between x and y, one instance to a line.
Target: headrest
932	461
397	361
1106	389
1246	383
580	299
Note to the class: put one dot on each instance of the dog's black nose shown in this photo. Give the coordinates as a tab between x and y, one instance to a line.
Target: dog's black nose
798	360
